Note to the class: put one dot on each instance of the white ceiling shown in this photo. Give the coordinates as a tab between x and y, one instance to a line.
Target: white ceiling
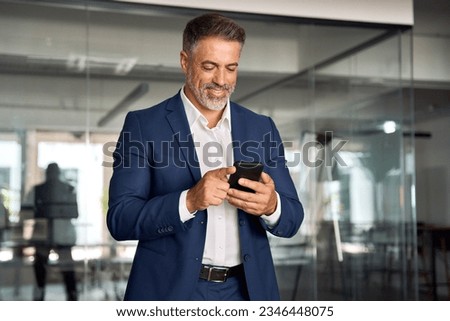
50	76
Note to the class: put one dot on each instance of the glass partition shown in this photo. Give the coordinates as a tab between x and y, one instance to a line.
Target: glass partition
347	122
69	73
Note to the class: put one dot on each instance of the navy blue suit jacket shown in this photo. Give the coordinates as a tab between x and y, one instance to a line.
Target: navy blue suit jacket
154	162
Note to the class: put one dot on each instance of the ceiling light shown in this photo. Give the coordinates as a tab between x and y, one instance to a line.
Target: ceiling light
389	127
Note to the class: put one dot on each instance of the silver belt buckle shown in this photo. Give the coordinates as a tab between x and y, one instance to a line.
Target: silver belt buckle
212	268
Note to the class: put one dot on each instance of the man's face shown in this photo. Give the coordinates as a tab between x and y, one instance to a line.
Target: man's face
211	72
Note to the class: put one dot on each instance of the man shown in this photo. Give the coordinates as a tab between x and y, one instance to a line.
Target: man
55	201
198	238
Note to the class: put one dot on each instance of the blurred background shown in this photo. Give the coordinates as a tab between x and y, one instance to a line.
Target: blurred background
363	108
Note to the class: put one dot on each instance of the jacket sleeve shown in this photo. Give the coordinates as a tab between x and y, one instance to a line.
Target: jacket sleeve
134	211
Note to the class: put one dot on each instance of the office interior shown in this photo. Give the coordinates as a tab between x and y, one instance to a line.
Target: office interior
363	109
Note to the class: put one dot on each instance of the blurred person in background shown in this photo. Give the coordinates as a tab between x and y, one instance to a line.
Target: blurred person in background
54	208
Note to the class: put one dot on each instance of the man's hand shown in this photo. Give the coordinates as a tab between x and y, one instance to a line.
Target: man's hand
210	190
262	202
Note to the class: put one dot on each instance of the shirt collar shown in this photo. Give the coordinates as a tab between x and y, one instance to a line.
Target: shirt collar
194	115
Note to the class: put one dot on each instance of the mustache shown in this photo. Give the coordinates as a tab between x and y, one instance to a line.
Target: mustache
218	87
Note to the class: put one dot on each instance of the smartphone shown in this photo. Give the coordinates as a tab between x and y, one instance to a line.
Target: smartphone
249	170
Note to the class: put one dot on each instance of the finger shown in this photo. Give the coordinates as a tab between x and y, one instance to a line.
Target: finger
242	195
245	205
224	171
215	202
230	170
224	179
218	198
227	170
266	179
254	185
222	185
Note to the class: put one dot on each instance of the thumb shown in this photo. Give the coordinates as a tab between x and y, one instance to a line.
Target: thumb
266	179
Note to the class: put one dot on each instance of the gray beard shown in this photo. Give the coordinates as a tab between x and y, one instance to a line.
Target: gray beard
211	103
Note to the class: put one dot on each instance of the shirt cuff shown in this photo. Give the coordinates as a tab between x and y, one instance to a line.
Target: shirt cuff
185	215
273	219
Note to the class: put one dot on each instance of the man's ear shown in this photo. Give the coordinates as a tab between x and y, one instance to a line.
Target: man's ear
184	60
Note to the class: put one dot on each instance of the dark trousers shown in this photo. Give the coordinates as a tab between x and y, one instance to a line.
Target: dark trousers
67	270
233	289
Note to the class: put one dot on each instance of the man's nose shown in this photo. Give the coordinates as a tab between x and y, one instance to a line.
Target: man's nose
219	77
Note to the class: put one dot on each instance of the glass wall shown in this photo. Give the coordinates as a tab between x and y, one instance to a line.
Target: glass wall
338	94
349	127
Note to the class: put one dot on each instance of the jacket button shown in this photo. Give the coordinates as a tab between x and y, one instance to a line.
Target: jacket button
170	229
247	257
241	222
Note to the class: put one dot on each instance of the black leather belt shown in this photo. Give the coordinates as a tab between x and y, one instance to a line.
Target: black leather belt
220	273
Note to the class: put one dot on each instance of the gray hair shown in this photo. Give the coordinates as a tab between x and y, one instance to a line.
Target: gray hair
211	25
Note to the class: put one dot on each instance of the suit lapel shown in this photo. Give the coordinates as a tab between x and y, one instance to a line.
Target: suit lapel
182	137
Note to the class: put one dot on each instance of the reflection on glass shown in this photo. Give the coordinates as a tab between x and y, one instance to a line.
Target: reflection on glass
54	235
345	118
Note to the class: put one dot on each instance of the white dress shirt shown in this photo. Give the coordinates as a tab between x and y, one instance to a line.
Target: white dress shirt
214	150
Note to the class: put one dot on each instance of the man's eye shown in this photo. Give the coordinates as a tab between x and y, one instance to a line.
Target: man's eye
208	67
